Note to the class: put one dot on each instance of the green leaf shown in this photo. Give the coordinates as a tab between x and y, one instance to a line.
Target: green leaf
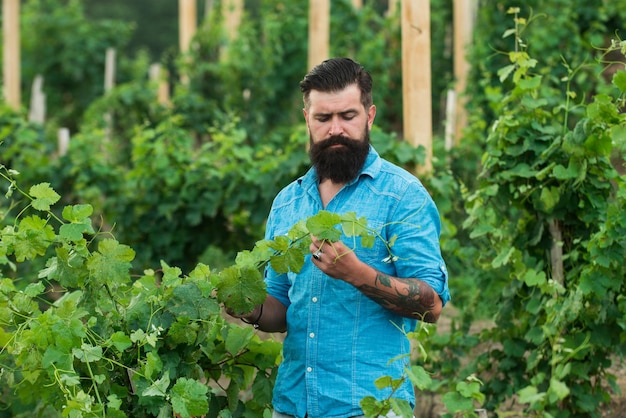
549	198
600	144
291	260
61	358
171	275
111	264
562	173
67	268
557	389
33	238
401	407
34	289
618	132
519	170
70	379
503	257
368	241
43	196
371	406
353	226
120	341
535	335
78	213
80	223
158	387
530	395
237	339
469	389
241	289
153	364
298	231
114	402
280	243
200	274
601	109
74	232
619	80
383	382
534	278
509	32
419	377
531	83
322	225
189	398
454	402
533	103
88	353
183	331
595	284
187	301
504	72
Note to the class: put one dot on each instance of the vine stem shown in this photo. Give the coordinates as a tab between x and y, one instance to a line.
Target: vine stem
14	185
94	386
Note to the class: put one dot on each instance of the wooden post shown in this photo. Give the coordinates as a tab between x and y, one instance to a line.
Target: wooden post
416	77
11	52
109	70
450	119
37	112
232	11
63	138
187	24
392	6
163	88
109	82
208	8
463	22
319	31
187	20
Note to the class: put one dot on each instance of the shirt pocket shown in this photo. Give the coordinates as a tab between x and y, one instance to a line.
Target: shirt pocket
375	254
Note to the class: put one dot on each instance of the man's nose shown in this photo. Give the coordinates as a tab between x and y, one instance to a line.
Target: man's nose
335	127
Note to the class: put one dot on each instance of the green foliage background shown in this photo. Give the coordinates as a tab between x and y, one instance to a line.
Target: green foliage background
191	182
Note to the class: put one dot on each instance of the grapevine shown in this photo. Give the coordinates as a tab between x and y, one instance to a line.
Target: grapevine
89	338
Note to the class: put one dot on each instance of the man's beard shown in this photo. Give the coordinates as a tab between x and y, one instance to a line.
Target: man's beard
341	164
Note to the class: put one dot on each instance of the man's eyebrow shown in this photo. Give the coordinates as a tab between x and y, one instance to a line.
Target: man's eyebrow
342	113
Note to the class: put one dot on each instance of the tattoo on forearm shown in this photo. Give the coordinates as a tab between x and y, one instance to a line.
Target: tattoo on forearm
408	297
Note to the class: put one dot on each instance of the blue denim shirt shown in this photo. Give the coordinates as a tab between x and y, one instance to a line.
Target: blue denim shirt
338	340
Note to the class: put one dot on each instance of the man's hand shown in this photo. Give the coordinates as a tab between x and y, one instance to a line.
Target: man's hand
335	259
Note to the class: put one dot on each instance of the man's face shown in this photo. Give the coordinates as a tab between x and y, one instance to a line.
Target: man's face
339	133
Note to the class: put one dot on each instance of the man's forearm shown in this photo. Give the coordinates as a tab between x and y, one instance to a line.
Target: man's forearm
409	297
272	318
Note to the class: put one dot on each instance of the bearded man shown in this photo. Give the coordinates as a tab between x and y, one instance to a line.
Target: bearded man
347	312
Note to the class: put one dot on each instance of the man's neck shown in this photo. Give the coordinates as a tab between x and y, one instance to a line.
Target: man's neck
328	189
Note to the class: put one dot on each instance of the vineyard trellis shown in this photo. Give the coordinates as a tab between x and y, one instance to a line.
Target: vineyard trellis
414	19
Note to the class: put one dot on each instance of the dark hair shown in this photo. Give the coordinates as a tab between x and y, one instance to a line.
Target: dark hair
336	74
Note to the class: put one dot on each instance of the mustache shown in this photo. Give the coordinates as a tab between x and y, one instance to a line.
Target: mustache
335	140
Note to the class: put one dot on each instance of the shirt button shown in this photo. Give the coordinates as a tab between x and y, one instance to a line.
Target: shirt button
312	335
309	369
314	299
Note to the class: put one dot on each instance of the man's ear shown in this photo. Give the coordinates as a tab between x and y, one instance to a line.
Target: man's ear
306	120
371	114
